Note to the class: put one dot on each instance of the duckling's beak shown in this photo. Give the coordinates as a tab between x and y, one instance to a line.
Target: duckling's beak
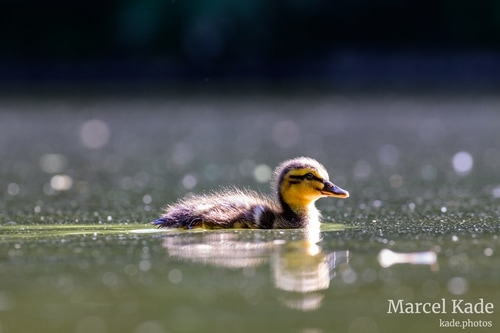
332	190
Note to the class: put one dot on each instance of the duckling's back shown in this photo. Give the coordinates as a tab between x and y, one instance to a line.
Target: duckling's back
226	209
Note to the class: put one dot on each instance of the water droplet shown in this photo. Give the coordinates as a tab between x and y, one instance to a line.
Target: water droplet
458	285
61	182
462	163
189	181
396	181
145	265
130	269
175	276
95	133
388	258
147	199
349	276
13	189
496	192
262	173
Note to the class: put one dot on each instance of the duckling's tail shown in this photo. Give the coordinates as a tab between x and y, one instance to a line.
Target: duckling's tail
166	222
160	223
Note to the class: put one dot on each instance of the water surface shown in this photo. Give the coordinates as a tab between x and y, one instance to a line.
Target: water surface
81	179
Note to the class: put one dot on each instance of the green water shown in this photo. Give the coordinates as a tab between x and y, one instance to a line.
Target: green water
81	178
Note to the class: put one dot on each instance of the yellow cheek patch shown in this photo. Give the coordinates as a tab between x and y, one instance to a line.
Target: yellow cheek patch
301	187
299	201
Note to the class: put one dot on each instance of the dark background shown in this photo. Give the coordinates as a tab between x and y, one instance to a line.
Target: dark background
346	43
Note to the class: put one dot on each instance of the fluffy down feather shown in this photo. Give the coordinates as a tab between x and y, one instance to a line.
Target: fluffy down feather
228	208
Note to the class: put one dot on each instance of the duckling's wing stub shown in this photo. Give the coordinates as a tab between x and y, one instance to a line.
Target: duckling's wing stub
230	209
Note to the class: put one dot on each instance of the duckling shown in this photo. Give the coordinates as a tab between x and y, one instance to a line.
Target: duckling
298	183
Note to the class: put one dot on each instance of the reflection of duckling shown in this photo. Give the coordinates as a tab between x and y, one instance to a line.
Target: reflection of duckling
298	183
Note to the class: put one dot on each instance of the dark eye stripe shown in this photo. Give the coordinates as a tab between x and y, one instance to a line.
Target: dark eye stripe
302	177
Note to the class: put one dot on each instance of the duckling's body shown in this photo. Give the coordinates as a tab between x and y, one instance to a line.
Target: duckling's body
298	184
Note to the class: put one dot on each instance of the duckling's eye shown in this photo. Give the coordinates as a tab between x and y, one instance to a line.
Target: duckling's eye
309	176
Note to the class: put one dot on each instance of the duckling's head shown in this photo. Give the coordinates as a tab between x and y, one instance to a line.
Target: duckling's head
301	181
